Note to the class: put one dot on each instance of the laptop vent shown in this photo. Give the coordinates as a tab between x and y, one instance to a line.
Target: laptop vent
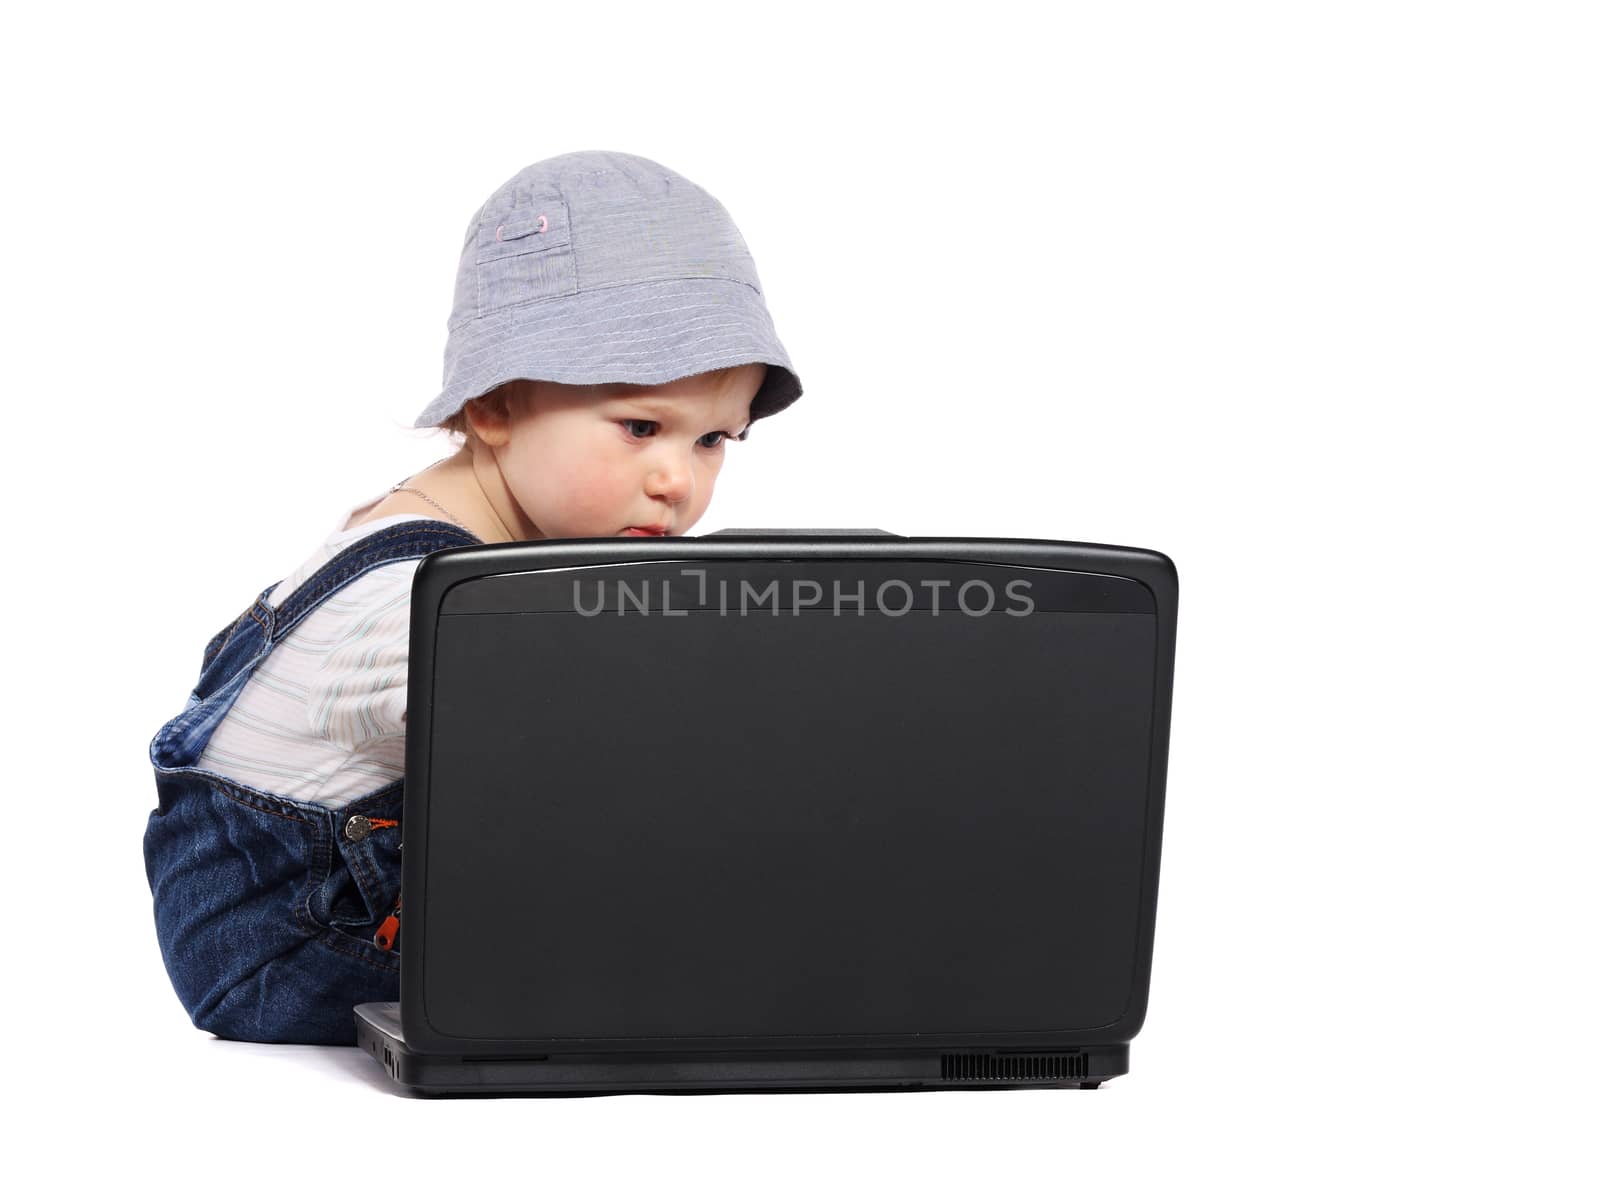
1012	1067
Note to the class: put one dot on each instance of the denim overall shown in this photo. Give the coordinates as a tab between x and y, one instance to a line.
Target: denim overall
267	908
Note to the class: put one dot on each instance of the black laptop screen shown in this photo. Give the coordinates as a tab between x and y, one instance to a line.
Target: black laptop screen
886	816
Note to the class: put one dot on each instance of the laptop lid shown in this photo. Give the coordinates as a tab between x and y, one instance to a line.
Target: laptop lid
783	791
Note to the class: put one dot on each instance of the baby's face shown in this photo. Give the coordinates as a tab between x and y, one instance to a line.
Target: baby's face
599	459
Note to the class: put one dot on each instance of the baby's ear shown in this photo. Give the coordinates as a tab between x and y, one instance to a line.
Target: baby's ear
489	416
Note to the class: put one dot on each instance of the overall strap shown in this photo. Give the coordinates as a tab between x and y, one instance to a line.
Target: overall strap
404	541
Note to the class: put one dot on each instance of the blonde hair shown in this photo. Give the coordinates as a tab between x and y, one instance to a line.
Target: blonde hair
459	429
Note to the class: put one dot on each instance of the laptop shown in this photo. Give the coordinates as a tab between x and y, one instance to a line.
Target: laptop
779	810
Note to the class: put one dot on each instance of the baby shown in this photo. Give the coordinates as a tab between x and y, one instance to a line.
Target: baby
608	338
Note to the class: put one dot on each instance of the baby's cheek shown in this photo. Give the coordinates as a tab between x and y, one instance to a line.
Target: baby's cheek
704	487
586	494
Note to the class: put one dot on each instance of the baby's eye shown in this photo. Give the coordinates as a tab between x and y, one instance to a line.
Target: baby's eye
650	426
712	439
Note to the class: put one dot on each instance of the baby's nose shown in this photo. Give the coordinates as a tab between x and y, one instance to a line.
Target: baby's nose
673	481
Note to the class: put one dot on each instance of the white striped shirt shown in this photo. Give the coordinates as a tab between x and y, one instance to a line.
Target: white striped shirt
323	718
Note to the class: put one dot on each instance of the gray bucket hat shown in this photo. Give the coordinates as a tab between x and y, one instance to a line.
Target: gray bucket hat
602	267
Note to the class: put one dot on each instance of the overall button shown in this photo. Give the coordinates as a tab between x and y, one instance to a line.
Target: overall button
359	827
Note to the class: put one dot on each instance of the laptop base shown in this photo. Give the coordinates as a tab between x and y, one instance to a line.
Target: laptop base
378	1032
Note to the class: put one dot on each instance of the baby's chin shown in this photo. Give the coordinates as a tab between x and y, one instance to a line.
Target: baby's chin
605	533
659	525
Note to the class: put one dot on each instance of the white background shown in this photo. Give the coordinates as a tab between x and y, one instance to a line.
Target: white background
1304	296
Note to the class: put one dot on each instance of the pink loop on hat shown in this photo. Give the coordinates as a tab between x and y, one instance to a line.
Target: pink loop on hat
544	225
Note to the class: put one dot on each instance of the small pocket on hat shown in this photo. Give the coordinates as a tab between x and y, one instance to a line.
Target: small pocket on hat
525	254
538	224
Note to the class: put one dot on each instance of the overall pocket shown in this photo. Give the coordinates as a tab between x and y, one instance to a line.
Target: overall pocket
361	894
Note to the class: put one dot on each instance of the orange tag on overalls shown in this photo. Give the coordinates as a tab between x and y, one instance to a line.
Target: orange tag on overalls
390	928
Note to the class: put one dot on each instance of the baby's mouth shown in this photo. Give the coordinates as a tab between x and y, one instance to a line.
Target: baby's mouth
647	531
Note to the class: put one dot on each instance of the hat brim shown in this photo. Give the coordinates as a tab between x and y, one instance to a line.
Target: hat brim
649	333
